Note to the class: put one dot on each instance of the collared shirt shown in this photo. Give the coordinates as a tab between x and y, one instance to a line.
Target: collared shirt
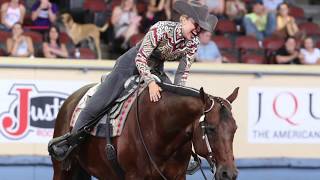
208	52
164	41
259	21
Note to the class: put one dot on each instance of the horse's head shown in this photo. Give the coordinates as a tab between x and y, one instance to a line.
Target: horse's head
214	133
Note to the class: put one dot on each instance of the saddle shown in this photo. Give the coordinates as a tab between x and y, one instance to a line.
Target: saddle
117	115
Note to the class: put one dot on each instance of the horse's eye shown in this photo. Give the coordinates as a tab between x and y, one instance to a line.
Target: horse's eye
211	130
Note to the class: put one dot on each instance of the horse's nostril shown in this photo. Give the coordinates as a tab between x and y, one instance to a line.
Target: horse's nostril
224	174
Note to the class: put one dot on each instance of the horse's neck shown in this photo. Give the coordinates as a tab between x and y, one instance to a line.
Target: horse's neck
176	121
182	112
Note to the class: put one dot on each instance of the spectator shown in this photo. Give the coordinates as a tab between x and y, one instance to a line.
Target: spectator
272	5
207	49
286	25
216	7
259	23
156	12
52	48
309	54
125	21
11	13
289	53
235	10
19	45
44	13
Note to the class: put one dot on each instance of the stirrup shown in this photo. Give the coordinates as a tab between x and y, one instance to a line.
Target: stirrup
65	144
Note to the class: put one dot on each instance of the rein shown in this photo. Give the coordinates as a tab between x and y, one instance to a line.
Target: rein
204	126
141	135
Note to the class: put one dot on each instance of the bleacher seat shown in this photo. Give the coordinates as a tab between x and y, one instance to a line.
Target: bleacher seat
271	45
311	29
86	53
318	44
222	42
246	45
35	36
135	39
253	59
296	12
226	47
95	5
226	26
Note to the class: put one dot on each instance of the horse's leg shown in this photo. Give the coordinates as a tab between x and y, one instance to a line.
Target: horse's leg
177	165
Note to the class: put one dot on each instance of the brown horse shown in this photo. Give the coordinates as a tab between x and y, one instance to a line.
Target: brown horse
168	129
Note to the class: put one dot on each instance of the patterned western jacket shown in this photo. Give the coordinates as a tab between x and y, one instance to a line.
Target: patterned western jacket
164	42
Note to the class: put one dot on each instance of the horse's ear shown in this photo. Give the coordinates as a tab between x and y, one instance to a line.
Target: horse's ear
234	95
202	95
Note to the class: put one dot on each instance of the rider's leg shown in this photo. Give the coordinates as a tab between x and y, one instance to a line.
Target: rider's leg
108	91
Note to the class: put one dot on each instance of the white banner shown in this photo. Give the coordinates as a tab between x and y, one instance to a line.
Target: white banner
29	108
284	115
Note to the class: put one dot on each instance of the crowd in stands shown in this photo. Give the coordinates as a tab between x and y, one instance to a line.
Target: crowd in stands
248	31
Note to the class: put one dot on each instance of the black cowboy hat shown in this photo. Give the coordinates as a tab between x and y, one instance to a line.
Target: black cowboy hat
198	12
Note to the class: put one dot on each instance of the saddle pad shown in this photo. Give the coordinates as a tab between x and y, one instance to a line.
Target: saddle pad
118	113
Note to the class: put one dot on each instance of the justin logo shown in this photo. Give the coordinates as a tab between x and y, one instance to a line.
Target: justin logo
32	110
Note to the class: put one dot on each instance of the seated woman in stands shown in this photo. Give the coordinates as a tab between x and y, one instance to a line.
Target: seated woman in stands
286	25
309	54
11	13
288	54
19	45
44	13
52	47
125	22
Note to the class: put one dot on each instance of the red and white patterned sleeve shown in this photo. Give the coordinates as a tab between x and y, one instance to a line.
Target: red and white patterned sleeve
183	70
149	43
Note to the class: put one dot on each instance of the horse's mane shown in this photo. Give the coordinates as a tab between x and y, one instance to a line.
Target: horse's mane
180	90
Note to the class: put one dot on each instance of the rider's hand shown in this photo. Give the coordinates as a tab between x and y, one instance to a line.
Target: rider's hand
154	91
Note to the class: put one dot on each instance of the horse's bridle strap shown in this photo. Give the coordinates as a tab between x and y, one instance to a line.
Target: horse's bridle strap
208	110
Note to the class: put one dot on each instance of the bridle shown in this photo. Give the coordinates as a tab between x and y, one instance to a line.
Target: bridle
205	127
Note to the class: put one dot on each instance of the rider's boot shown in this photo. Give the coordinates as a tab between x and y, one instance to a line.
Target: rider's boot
60	147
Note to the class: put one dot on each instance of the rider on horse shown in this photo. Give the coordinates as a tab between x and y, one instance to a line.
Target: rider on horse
165	41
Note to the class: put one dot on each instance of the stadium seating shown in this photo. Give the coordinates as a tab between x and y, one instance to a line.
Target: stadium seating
135	39
247	45
271	45
311	29
226	27
226	48
253	59
86	53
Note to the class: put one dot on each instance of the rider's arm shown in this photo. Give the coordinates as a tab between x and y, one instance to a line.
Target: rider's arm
149	43
185	64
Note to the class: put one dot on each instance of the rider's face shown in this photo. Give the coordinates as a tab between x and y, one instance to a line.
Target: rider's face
190	28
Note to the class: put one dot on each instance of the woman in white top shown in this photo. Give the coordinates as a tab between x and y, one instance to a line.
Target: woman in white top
19	45
309	54
125	20
11	13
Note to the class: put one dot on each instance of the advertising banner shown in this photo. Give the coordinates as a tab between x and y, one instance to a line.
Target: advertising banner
284	115
28	108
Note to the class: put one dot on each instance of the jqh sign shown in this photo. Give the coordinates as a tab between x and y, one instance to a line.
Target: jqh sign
28	110
284	115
